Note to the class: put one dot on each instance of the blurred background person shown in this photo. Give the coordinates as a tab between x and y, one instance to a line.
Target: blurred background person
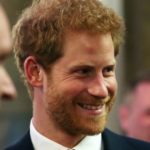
7	89
134	113
14	114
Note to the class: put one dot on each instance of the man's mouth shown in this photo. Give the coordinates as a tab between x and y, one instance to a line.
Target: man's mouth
92	109
90	106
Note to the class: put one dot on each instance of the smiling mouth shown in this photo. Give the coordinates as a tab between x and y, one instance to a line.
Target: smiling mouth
90	106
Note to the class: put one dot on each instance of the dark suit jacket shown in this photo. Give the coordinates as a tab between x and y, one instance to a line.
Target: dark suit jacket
111	141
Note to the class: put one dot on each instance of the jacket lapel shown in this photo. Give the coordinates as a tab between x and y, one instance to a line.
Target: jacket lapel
112	141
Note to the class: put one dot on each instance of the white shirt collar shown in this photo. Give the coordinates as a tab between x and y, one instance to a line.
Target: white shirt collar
41	142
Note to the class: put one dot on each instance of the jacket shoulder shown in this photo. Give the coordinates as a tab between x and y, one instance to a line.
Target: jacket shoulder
113	141
23	144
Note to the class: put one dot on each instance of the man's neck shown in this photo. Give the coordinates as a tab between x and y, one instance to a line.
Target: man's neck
39	141
53	132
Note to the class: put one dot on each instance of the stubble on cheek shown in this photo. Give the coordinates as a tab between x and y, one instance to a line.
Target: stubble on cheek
68	120
62	112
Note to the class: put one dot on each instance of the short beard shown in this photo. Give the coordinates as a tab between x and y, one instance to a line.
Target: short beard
72	125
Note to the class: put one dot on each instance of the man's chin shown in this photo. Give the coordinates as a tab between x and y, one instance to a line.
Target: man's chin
95	132
95	128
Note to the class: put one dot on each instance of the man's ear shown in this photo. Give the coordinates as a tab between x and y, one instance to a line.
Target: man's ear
33	72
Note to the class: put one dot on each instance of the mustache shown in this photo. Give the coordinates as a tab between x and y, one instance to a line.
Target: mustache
93	100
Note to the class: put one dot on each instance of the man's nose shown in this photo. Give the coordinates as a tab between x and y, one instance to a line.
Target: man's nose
98	87
7	88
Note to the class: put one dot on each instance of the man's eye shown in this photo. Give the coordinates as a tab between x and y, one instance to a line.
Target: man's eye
85	71
108	71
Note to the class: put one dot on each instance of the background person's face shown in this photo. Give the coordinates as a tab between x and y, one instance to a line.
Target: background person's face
80	89
139	113
7	89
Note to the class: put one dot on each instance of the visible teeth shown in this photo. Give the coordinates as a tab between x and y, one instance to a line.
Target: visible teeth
91	107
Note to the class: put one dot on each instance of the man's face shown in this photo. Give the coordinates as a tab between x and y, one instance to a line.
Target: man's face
7	89
80	89
139	113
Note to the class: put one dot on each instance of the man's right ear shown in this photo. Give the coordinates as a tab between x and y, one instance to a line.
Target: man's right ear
33	72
